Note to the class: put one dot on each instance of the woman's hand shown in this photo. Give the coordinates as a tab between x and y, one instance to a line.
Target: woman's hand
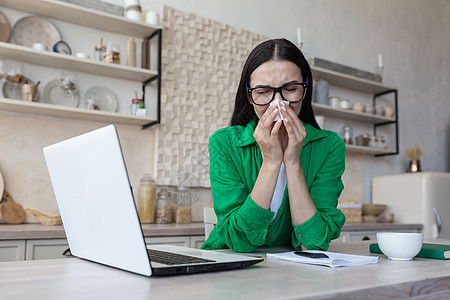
267	135
293	136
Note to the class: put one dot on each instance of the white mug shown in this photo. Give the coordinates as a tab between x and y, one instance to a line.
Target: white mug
152	18
39	46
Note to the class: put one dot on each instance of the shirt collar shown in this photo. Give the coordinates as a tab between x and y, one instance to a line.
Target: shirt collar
247	138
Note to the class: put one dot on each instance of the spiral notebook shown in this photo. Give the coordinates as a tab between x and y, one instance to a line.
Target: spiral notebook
334	259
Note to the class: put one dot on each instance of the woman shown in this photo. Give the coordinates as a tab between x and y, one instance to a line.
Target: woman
275	176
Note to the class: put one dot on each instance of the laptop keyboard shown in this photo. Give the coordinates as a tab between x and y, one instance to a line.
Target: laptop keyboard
170	258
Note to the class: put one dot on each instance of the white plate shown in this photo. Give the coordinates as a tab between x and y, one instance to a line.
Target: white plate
33	29
54	94
103	97
12	90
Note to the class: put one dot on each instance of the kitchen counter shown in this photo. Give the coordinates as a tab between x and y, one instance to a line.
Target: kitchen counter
272	279
38	231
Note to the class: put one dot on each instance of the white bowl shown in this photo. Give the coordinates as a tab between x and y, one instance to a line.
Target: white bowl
400	246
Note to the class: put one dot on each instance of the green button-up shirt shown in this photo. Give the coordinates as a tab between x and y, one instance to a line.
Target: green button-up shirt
235	161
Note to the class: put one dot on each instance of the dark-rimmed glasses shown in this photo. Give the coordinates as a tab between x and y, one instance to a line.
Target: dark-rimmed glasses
264	94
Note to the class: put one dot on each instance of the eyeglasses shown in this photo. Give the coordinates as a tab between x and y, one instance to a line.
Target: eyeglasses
292	92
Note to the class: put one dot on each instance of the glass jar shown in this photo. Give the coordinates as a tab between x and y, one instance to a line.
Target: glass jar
183	210
347	134
163	208
99	52
146	200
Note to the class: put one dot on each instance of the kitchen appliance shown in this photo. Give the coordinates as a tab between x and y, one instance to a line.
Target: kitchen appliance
417	198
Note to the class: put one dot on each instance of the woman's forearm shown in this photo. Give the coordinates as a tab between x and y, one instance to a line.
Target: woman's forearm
301	205
264	187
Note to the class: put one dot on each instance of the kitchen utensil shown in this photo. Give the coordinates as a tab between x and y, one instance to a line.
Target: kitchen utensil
33	29
344	104
358	107
334	101
369	109
43	217
5	29
40	47
388	112
321	92
363	140
104	97
400	246
379	110
370	209
12	213
54	94
13	90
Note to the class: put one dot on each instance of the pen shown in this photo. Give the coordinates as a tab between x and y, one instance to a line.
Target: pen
311	254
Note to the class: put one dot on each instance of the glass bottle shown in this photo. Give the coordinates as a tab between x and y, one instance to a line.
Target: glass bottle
146	200
99	52
163	208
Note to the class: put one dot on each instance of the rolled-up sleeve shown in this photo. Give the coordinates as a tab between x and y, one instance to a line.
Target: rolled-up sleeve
242	224
326	224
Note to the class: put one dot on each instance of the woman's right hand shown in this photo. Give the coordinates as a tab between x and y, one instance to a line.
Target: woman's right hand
267	136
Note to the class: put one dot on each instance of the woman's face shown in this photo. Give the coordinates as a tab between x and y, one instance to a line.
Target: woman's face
275	73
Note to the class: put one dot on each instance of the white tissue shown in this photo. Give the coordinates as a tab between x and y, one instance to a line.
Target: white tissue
276	102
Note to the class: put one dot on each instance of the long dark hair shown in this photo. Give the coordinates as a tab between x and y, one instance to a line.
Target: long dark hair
279	49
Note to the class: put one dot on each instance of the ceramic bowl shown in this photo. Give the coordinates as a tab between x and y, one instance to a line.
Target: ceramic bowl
369	209
400	246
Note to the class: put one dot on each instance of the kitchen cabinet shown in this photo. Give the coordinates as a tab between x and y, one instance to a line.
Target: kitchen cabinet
364	232
46	249
12	250
376	90
68	12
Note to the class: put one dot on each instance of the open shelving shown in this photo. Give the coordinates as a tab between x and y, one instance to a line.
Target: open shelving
76	14
376	89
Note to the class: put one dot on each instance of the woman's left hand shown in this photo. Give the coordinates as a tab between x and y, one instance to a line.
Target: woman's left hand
293	136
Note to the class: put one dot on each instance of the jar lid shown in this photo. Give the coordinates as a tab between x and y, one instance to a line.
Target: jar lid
147	178
163	194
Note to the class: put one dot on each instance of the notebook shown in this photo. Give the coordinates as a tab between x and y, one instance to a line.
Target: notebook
332	260
96	203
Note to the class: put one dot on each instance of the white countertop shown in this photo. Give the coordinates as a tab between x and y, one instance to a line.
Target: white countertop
74	278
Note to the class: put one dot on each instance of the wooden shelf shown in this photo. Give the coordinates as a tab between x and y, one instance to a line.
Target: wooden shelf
349	82
69	62
82	16
349	115
50	110
369	150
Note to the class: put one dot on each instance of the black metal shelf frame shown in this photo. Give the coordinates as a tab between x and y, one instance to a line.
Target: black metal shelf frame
375	96
158	34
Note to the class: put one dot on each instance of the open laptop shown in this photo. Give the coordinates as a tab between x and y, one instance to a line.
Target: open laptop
96	203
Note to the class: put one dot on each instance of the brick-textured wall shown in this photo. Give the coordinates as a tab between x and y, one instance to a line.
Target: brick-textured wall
202	61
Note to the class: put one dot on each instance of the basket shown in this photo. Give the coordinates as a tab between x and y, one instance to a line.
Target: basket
352	211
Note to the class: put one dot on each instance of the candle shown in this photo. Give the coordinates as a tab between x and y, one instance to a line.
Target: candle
380	61
299	36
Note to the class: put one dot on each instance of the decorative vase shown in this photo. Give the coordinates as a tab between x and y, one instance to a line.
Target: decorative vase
414	166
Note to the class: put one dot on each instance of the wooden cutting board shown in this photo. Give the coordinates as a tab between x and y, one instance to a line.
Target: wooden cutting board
12	213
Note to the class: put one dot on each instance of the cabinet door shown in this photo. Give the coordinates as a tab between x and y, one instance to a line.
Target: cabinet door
12	250
172	240
197	241
46	249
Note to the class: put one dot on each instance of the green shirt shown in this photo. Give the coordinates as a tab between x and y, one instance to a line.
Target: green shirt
235	161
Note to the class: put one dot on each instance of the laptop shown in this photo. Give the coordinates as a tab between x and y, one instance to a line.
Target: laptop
99	214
